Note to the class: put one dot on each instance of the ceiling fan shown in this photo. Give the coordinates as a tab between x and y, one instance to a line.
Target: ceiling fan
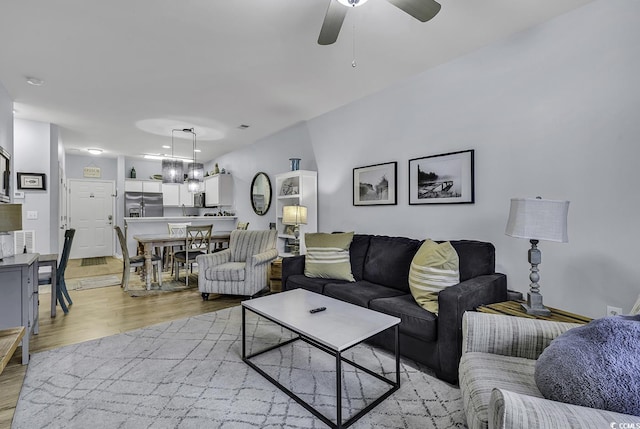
422	10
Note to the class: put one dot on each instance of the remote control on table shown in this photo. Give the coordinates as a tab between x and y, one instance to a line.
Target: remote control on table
317	310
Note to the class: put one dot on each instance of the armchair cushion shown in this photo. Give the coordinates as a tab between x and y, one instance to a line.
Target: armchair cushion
595	366
231	271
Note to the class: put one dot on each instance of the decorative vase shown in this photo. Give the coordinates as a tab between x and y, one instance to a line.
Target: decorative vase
295	164
216	170
133	173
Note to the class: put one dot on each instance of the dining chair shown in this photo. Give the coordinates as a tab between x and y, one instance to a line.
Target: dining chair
61	286
135	261
175	230
198	242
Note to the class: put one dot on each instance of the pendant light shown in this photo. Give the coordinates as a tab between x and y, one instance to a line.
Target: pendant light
195	172
172	168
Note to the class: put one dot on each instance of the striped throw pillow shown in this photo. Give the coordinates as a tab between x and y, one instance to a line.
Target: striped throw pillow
433	268
328	256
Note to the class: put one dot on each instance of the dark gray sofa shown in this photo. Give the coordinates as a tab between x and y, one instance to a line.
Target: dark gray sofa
380	266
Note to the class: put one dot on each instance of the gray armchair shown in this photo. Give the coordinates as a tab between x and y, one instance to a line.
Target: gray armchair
497	383
242	269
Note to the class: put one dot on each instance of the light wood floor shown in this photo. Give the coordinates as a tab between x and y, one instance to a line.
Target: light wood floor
97	313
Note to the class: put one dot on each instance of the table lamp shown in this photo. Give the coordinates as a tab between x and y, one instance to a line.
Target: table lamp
537	219
296	216
10	220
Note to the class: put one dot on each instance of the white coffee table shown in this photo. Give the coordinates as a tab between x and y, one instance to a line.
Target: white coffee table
334	330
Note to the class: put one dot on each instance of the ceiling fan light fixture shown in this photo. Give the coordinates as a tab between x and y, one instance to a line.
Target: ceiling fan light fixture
352	3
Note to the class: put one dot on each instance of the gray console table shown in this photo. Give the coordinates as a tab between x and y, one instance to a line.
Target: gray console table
19	296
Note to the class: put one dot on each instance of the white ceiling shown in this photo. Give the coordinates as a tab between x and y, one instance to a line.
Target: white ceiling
115	70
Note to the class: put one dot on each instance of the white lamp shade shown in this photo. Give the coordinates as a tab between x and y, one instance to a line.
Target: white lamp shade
538	219
294	215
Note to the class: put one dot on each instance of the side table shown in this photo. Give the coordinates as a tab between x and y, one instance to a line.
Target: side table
275	276
513	308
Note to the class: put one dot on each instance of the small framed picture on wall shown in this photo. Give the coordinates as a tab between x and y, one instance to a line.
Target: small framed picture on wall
375	185
442	179
32	181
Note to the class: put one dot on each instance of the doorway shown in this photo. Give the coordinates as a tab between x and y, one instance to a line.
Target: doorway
91	207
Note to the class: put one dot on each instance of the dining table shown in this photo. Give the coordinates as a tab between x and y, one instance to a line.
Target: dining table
151	241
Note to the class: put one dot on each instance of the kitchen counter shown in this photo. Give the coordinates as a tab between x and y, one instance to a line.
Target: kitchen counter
158	225
177	219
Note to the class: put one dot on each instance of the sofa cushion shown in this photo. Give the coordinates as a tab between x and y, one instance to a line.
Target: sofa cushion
433	268
358	253
388	261
595	366
359	293
229	271
314	285
415	321
480	373
477	258
328	256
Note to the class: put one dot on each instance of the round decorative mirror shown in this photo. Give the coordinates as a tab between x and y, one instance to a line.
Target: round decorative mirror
261	193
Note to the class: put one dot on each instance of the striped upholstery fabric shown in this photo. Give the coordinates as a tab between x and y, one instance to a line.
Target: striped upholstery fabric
480	373
328	256
230	271
434	267
509	336
512	410
497	377
243	268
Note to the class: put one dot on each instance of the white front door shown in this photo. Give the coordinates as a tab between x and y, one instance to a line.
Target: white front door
91	215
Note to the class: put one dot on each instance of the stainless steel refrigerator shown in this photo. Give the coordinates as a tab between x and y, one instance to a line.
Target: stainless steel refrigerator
143	204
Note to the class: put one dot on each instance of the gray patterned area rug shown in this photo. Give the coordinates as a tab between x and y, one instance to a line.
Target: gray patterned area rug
189	374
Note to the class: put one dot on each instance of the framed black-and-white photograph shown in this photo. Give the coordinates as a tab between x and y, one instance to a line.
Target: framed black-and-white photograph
442	179
375	185
35	181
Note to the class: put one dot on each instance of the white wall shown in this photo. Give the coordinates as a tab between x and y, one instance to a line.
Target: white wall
31	137
75	165
271	156
551	111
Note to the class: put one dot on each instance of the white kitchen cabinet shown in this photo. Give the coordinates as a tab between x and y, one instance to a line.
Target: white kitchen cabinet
143	186
299	187
177	195
171	194
218	190
186	197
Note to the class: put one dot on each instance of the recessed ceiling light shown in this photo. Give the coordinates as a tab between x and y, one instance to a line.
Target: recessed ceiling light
35	81
94	151
197	150
166	146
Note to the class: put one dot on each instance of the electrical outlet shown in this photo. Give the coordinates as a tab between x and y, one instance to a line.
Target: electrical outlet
613	311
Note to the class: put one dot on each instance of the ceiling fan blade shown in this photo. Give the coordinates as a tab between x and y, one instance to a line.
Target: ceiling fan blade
422	10
332	23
